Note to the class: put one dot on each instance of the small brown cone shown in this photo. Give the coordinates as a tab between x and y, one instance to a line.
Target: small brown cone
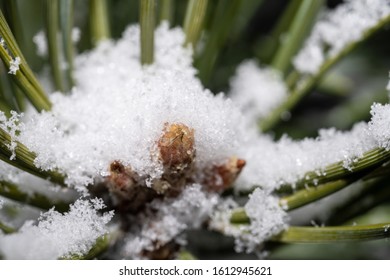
176	146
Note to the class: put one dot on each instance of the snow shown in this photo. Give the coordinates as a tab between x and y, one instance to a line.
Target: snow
12	127
286	161
379	126
119	105
266	217
14	65
40	42
338	28
257	91
76	34
164	221
58	235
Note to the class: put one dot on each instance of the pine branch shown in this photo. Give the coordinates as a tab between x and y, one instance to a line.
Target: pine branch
369	161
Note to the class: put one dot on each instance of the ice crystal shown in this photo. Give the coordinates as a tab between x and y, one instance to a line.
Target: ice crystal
14	65
379	126
58	235
165	220
267	218
12	126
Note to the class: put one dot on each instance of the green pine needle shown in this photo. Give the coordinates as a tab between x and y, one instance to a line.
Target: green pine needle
334	234
147	25
99	23
24	77
193	22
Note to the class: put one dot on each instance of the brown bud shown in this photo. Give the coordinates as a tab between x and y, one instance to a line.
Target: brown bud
176	146
127	189
221	177
121	179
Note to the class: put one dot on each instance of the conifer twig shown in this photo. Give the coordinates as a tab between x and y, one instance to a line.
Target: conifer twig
369	161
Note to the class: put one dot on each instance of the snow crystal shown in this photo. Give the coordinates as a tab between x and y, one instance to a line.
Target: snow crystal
118	110
267	218
1	203
338	28
286	161
14	65
76	35
58	235
257	91
169	218
12	126
220	218
379	125
41	44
